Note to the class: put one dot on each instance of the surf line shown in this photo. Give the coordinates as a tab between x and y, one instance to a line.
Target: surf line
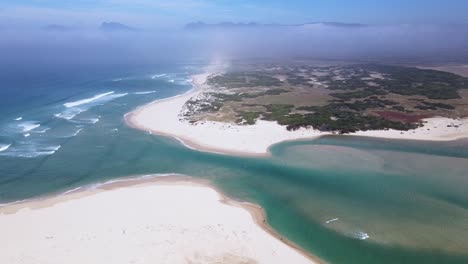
331	220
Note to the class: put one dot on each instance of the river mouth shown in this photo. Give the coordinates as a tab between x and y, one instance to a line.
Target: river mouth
395	201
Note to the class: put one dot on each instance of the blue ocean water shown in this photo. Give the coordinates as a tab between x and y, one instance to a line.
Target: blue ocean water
345	199
42	110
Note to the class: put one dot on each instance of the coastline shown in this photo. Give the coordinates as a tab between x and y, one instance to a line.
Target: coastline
161	117
54	207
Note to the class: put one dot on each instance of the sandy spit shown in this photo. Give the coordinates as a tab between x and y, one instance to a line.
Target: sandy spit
172	219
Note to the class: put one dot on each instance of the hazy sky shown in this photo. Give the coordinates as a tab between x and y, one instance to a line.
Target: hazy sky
171	13
421	29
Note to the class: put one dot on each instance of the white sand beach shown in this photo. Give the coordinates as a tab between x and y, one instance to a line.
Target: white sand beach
434	129
156	221
162	117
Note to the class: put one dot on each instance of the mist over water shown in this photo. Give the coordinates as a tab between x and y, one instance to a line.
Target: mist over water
412	43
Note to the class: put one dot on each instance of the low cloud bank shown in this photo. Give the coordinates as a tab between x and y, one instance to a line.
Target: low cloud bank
67	45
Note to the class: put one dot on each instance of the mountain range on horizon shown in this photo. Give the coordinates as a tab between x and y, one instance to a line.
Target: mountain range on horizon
104	26
232	25
113	26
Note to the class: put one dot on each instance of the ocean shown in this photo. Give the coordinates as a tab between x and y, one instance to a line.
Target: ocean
344	199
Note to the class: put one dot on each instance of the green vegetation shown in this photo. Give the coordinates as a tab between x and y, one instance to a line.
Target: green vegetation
437	105
243	79
359	94
247	117
205	107
238	97
360	99
413	81
329	118
358	105
396	79
278	110
398	108
297	80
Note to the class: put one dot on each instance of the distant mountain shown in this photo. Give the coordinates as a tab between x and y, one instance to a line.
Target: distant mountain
55	27
115	27
231	25
337	24
202	25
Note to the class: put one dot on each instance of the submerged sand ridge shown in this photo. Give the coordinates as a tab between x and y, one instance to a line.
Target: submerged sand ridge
168	221
163	117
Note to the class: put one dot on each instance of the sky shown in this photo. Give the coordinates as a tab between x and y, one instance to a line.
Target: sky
173	13
420	29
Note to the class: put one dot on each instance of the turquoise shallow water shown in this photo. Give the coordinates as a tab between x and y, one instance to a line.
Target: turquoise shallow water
344	199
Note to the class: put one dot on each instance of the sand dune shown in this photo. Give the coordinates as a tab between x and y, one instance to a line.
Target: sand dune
168	221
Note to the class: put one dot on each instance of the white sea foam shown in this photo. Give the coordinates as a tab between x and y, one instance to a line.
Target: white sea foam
48	150
55	148
98	185
171	81
19	118
120	79
42	131
4	147
87	100
93	120
183	82
361	235
78	107
72	190
28	126
69	113
145	92
30	150
331	220
127	179
77	132
12	203
183	143
140	177
26	135
114	96
158	75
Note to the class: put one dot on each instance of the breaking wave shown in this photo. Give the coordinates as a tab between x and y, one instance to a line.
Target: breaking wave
69	114
4	147
120	79
158	75
91	120
28	126
42	131
360	235
30	150
77	107
144	92
87	100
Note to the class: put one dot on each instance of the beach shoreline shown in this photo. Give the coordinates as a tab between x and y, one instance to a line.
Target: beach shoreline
136	185
161	117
